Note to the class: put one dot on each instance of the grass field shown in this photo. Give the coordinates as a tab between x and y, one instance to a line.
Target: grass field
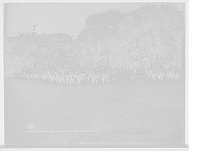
40	114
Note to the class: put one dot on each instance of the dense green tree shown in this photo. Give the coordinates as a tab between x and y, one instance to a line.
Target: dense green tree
24	49
154	29
149	35
96	39
55	47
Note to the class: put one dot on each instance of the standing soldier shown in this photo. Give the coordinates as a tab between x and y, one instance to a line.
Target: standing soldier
93	73
163	68
161	71
71	70
153	74
177	67
100	69
143	68
106	73
147	73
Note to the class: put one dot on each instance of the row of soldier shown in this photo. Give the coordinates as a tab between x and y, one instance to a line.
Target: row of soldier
172	72
69	73
82	75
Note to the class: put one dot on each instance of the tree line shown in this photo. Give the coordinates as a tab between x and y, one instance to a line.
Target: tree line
148	33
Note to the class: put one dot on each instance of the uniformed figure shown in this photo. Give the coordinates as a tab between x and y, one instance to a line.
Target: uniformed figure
71	69
100	68
93	74
97	68
177	67
173	66
163	68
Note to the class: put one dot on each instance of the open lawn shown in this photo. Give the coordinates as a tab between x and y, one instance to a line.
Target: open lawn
44	115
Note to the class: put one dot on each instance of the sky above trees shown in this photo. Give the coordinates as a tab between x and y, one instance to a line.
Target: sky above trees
58	18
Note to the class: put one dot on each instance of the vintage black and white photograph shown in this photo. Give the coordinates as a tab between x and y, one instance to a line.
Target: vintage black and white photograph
95	75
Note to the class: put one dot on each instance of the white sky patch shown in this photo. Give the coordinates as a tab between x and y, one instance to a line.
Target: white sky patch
56	18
